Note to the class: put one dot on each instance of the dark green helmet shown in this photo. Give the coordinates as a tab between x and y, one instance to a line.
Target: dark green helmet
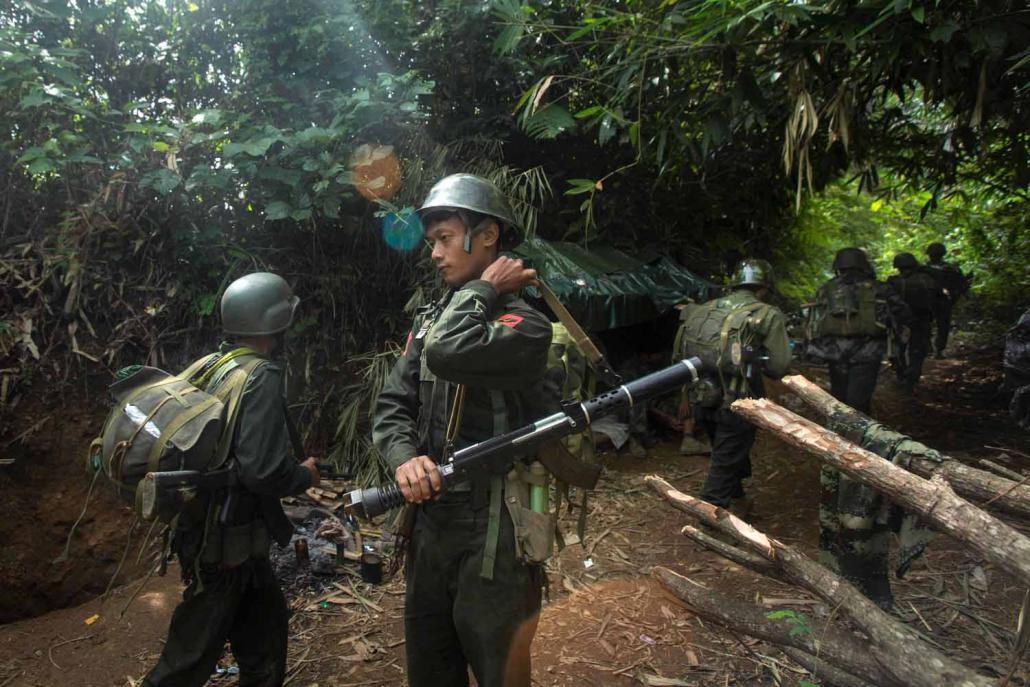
258	304
936	250
753	272
471	193
903	261
850	258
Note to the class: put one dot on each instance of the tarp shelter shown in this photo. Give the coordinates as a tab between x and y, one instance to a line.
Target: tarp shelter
605	288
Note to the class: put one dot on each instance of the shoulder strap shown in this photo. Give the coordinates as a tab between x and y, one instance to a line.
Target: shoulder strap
233	390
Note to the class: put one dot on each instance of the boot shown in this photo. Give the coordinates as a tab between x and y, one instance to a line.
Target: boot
692	446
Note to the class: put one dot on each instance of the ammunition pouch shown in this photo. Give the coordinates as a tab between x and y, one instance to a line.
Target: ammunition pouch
534	531
227	546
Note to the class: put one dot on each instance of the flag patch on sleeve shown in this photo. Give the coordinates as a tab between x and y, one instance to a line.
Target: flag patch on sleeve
510	320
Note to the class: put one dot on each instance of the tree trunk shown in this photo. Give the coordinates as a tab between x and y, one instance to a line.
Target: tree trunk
897	647
979	486
847	651
932	499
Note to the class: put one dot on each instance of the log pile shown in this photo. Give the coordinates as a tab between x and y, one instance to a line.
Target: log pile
873	647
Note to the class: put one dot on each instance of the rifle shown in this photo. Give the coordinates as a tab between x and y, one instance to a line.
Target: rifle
498	452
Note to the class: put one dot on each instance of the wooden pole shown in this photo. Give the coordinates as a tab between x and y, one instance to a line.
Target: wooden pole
899	648
842	649
979	486
932	499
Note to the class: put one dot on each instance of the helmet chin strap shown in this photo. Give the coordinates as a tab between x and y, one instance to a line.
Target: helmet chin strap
472	231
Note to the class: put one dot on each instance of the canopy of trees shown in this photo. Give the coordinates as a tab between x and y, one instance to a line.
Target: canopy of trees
153	150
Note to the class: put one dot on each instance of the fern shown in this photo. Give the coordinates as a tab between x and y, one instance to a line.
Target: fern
548	122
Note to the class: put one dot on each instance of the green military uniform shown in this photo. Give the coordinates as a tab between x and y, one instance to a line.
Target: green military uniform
469	589
919	291
952	284
849	325
731	435
222	545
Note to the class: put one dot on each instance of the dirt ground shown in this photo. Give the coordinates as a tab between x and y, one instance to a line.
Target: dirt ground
608	622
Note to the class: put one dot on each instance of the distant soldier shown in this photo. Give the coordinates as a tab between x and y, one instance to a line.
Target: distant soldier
919	291
953	285
849	324
740	337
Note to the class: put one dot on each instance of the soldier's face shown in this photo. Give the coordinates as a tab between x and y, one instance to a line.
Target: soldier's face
446	239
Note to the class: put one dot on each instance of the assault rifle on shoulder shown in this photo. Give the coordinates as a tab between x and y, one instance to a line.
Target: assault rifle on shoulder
498	452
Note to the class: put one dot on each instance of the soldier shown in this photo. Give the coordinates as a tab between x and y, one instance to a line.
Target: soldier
472	369
848	327
953	285
919	291
223	544
739	337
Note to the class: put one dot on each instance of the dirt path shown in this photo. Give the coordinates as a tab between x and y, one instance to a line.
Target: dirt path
608	622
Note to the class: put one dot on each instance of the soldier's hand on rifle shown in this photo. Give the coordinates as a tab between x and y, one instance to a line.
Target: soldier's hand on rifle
508	275
312	466
418	479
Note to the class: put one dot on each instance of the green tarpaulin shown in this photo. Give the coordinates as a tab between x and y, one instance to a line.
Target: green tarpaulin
605	288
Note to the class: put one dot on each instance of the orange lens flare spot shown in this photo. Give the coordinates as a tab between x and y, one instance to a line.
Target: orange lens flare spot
376	171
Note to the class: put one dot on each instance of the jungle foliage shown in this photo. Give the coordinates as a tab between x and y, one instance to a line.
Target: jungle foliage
153	150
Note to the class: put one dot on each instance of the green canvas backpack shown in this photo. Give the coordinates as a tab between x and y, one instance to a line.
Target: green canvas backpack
846	309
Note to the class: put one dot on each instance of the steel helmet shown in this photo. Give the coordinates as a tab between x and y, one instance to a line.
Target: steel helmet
258	304
753	272
473	193
905	261
936	250
851	258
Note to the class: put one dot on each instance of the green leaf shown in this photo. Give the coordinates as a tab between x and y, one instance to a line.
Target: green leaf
589	112
205	305
41	165
919	14
943	33
277	210
548	122
161	146
579	186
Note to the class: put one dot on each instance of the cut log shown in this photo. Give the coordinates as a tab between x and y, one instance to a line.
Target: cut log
979	486
898	647
728	551
933	500
843	649
824	672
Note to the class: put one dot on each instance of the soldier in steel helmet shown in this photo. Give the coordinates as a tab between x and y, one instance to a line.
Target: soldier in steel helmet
222	542
849	324
953	284
740	337
919	291
473	367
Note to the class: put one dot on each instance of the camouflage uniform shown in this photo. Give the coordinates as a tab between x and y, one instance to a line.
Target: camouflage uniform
226	599
470	600
919	291
952	284
854	361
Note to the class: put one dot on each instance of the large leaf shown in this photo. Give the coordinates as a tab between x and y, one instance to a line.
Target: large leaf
548	122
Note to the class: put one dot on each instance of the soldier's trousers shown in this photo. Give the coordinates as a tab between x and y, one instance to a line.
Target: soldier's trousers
942	320
854	383
243	605
915	352
732	437
453	617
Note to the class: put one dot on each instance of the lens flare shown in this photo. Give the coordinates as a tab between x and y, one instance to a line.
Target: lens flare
402	230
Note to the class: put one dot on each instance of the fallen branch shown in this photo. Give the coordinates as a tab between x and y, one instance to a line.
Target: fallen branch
837	646
899	648
823	671
980	486
932	499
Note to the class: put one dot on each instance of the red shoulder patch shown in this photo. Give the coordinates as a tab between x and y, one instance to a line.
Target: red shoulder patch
407	344
510	320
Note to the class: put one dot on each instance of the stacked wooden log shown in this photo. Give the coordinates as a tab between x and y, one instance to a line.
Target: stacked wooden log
884	650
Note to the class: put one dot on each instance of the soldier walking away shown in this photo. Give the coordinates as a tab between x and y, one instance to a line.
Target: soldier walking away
953	285
222	539
740	337
919	291
473	368
848	327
